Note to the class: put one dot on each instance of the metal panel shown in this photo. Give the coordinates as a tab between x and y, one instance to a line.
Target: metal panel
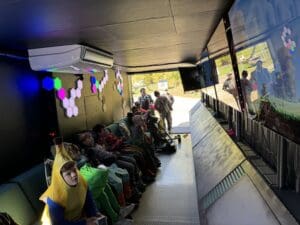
243	125
216	158
215	154
210	100
293	165
280	162
226	108
222	109
279	210
201	124
180	7
256	135
237	208
221	188
297	168
249	131
204	20
196	107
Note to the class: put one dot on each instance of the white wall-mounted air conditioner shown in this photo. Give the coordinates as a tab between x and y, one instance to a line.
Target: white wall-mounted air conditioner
75	59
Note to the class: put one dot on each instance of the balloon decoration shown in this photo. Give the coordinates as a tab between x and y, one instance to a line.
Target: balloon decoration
286	37
119	83
68	103
99	85
123	105
103	103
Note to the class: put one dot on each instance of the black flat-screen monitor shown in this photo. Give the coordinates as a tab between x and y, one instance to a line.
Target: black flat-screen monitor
190	78
201	76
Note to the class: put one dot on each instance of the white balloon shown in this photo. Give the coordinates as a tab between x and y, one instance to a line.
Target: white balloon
75	111
73	93
78	93
65	103
79	84
69	112
71	102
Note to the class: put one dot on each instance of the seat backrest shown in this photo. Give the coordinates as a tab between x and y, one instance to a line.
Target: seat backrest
15	203
114	128
33	184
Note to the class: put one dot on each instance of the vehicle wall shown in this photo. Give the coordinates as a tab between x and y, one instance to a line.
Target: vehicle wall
31	115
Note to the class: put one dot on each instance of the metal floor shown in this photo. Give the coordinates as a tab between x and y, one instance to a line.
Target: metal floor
172	198
230	190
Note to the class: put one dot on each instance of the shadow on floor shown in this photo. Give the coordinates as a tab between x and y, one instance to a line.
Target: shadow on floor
291	200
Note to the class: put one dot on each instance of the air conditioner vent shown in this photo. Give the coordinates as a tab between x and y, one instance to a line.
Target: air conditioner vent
75	59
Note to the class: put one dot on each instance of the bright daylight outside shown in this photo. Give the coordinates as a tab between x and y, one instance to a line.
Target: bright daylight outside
171	81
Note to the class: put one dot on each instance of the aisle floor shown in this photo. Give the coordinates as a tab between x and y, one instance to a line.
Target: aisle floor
172	198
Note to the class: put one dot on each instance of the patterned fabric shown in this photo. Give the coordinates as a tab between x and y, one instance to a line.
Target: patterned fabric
71	149
98	155
163	105
110	141
72	199
97	179
6	219
170	98
261	78
246	86
229	86
124	130
145	101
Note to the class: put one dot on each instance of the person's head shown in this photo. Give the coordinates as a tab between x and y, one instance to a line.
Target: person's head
99	129
278	75
156	93
244	74
69	173
134	109
86	139
58	141
143	91
259	65
137	104
73	151
138	120
129	117
229	76
66	183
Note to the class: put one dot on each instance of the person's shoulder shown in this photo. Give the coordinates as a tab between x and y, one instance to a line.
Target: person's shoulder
51	203
226	82
165	98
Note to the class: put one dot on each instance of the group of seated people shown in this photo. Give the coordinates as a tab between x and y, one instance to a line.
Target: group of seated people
111	176
147	121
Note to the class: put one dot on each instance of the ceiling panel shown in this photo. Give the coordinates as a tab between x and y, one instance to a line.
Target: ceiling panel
137	32
188	7
141	29
41	17
146	57
218	42
200	21
153	41
106	12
